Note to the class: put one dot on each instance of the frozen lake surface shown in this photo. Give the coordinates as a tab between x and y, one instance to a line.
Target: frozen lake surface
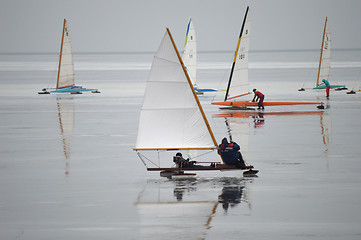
68	171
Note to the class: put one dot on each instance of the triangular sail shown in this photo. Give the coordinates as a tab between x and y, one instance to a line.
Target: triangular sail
66	66
238	81
171	116
325	56
190	52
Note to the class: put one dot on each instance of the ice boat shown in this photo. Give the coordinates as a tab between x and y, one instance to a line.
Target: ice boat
189	57
65	80
173	120
238	84
324	64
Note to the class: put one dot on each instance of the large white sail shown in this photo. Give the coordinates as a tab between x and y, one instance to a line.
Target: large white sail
66	66
239	77
170	117
190	52
325	58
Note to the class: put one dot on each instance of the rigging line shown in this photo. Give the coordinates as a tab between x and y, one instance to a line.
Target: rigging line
141	156
202	154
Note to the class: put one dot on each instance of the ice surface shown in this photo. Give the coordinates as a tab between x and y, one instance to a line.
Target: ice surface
309	181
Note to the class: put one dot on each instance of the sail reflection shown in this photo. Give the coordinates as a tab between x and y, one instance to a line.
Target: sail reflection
186	208
65	107
325	121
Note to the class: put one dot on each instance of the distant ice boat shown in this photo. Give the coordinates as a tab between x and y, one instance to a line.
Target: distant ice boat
65	80
324	64
190	57
238	84
173	120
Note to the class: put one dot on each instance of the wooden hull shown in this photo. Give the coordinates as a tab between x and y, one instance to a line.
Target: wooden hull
245	114
218	167
245	104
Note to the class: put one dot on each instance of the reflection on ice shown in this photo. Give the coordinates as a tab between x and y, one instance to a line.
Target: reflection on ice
187	213
66	123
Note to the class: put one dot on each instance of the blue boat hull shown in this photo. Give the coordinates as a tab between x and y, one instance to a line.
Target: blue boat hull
205	90
323	86
73	89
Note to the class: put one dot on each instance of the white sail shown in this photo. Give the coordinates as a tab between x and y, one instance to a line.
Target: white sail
239	79
66	66
190	52
325	58
170	117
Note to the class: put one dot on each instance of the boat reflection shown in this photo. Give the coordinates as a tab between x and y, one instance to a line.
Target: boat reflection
233	121
65	107
259	117
325	121
186	208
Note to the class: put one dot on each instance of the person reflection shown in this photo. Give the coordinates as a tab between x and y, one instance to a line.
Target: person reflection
231	196
182	187
258	120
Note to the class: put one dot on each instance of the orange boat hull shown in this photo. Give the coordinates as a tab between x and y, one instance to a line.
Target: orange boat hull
244	104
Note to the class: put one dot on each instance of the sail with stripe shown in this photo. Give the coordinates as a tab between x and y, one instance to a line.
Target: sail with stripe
189	56
238	84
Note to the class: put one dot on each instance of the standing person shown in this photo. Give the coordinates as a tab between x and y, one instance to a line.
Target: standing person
230	154
327	87
258	96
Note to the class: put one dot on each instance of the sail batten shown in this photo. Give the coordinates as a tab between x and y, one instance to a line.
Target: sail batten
170	116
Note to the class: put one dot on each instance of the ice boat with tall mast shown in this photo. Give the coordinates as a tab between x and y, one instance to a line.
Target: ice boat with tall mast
324	64
65	79
173	120
190	57
238	84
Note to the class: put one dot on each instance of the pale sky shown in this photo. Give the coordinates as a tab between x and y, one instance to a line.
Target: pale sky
139	25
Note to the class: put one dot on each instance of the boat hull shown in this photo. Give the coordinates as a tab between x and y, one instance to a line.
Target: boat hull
205	90
245	104
73	89
323	86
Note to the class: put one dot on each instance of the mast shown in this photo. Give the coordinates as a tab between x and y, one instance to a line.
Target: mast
319	64
235	55
193	91
61	53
